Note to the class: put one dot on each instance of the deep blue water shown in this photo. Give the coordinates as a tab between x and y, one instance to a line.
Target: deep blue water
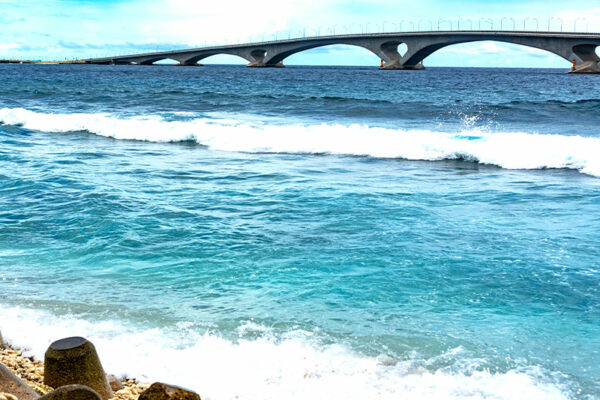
321	232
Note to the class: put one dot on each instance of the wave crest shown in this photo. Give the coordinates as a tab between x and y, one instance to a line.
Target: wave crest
511	150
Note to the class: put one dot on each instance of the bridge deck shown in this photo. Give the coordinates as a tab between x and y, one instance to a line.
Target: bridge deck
349	36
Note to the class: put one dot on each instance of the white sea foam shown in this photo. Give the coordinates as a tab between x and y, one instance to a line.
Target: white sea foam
293	366
511	150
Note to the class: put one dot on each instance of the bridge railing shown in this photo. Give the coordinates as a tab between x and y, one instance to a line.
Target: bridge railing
528	24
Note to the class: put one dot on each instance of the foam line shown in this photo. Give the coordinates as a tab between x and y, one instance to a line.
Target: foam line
293	365
511	150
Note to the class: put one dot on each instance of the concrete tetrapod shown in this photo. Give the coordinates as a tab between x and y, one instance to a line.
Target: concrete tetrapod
74	361
72	392
162	391
10	383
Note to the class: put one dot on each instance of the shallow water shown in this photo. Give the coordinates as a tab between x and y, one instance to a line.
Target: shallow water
307	232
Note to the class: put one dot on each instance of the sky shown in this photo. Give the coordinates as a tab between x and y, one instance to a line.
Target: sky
69	29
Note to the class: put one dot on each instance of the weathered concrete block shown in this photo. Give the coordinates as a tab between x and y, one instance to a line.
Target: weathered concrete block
162	391
11	384
114	382
74	361
72	392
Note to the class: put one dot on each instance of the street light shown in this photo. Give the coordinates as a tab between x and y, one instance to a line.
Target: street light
465	20
509	19
537	23
558	20
586	24
441	21
487	20
429	22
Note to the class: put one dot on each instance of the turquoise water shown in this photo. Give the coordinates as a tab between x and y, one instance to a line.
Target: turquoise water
306	251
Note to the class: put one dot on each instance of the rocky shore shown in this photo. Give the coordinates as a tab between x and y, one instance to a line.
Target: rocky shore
31	371
29	377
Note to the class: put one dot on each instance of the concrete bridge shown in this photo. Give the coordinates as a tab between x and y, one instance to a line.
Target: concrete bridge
577	48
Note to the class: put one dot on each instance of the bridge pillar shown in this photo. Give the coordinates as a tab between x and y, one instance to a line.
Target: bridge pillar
587	67
393	60
397	66
189	64
585	60
255	64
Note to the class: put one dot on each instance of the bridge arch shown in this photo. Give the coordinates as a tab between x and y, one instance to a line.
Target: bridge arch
275	58
200	57
419	52
158	60
223	58
494	54
166	61
331	54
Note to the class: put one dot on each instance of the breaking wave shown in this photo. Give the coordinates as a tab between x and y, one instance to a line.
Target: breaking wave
511	150
292	366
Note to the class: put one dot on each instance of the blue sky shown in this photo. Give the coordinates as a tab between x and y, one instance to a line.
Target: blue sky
66	29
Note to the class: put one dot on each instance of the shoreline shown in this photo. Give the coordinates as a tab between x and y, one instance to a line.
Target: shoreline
31	371
40	62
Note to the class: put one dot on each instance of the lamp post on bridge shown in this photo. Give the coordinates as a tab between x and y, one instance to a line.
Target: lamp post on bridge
376	27
514	23
465	20
537	23
441	21
587	24
487	20
428	21
555	19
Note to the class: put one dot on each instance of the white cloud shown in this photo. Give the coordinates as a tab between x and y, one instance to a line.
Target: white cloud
8	46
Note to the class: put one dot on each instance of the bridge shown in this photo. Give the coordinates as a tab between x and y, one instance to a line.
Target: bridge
577	48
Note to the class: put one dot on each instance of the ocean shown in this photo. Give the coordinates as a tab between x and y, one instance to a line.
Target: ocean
307	232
